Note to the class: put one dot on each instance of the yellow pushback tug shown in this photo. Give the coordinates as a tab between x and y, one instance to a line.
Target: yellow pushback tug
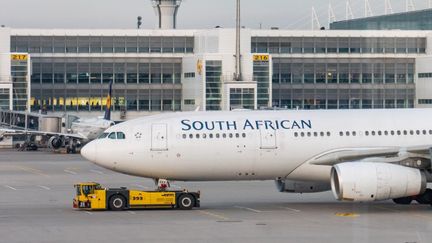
93	196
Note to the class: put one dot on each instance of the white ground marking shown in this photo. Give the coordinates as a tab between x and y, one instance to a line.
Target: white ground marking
250	209
131	212
291	209
87	212
12	188
70	172
97	172
44	187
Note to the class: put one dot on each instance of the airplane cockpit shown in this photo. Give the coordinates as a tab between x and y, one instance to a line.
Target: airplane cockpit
112	135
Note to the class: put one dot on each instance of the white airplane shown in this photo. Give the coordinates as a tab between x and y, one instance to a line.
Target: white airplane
361	155
82	131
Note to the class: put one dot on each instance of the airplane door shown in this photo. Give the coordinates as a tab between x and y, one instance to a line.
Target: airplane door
159	141
268	139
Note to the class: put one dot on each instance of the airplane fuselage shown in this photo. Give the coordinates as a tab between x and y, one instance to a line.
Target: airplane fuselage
252	145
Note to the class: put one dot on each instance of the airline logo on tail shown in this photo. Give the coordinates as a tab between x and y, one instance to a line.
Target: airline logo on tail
107	115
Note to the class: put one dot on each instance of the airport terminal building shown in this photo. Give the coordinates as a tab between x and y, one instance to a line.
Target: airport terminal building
68	70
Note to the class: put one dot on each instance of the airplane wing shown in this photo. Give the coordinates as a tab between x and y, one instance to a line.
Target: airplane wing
376	154
16	132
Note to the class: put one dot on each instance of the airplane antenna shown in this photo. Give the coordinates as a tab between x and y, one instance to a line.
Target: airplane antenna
409	6
388	7
315	21
331	14
368	9
348	11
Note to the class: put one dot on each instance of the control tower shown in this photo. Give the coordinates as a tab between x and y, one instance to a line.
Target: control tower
166	10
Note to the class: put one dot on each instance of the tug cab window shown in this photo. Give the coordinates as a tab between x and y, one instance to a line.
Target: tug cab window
112	135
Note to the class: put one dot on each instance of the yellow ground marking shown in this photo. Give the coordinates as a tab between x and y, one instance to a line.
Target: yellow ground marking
351	215
220	217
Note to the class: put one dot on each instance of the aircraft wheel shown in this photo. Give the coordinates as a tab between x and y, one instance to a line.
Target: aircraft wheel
186	202
403	200
425	198
117	203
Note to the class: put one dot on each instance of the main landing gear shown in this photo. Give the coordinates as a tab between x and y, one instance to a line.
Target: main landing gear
425	198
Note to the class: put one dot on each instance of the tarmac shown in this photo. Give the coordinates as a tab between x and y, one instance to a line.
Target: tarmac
36	191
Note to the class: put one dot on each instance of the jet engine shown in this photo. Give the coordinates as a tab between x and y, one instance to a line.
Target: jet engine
55	142
368	181
301	186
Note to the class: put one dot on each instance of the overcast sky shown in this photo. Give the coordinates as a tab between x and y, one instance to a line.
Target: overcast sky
287	14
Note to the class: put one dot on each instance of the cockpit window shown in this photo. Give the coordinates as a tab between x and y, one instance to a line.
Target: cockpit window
103	135
112	135
121	135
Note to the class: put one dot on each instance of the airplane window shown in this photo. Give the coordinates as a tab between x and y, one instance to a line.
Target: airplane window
244	135
103	135
347	133
184	136
121	135
237	135
197	136
309	134
315	134
190	135
328	134
411	132
340	133
322	134
392	133
373	133
295	134
385	133
230	135
379	133
354	133
204	135
217	135
112	135
367	133
430	132
424	132
399	132
211	135
302	134
418	132
224	135
405	132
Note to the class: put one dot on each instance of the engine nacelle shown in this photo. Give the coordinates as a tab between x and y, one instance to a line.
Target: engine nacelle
55	142
301	186
368	181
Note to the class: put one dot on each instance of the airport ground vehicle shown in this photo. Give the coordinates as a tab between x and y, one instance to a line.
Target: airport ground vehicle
93	196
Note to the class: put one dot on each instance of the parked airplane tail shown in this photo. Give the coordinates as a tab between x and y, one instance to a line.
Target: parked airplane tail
107	115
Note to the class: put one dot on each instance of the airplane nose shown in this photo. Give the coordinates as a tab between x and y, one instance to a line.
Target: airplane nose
89	151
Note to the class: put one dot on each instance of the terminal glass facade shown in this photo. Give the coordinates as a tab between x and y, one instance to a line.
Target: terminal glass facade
213	85
316	45
414	20
101	44
261	74
19	74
